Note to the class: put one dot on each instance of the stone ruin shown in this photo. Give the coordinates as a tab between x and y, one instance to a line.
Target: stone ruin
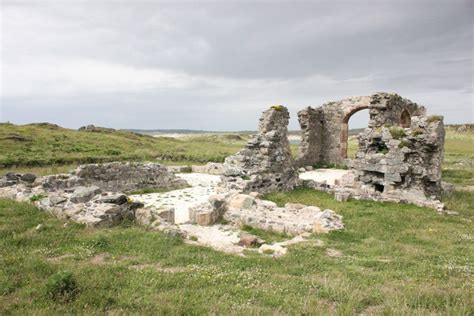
265	163
399	156
94	194
399	159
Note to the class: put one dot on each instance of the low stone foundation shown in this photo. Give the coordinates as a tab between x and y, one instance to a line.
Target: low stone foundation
243	209
91	195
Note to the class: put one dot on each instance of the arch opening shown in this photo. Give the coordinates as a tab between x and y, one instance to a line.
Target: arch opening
350	127
405	119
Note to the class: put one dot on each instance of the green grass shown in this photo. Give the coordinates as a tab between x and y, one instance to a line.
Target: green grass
396	259
38	145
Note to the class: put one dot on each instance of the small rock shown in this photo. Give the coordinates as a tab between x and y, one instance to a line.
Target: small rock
118	199
11	176
333	253
39	227
341	196
451	212
294	206
217	203
301	170
254	194
241	201
206	218
28	177
84	194
248	240
273	250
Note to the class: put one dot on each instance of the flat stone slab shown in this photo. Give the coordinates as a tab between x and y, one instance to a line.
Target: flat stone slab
202	187
324	175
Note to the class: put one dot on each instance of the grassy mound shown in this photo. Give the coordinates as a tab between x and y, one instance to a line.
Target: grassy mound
46	144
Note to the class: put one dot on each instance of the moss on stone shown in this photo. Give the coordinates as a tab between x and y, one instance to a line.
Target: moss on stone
397	132
278	107
417	131
403	143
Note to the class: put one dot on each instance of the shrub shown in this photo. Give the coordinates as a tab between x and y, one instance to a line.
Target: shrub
37	197
397	132
62	287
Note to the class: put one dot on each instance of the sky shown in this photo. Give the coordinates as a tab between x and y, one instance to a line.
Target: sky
217	65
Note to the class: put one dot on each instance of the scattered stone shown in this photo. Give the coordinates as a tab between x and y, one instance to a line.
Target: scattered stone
114	198
154	217
451	212
128	176
333	253
84	194
39	227
28	177
241	201
203	214
293	219
273	250
206	218
248	240
11	176
96	129
342	196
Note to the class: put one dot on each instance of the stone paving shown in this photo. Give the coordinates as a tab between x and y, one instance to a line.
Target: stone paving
202	187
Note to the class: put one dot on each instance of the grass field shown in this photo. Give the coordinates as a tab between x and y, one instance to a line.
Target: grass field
390	259
39	145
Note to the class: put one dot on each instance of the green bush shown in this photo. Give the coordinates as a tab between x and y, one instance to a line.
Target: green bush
62	287
397	132
37	197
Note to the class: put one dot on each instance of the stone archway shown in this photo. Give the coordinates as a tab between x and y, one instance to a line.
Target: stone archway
405	119
345	128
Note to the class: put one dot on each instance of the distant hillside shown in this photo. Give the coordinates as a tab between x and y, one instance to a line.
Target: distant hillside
44	144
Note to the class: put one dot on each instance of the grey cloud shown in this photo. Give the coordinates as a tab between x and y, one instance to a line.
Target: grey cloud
235	58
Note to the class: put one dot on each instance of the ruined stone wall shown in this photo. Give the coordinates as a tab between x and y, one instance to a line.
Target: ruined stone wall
401	164
128	176
330	122
311	122
265	163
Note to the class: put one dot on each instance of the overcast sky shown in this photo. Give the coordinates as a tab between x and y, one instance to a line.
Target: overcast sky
218	65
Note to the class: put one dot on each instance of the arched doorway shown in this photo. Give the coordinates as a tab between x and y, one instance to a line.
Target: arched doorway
361	117
405	119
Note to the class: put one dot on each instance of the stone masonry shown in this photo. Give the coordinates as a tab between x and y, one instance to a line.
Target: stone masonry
325	129
400	164
265	163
